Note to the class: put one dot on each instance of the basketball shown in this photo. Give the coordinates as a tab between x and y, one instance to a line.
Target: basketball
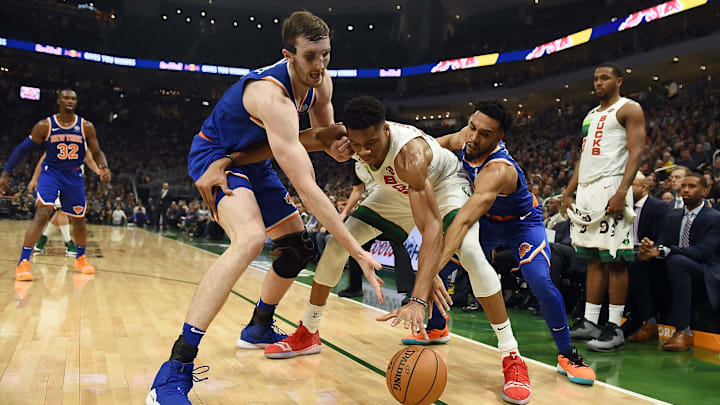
416	375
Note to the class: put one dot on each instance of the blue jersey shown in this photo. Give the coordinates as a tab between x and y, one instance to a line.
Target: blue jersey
65	145
518	204
230	127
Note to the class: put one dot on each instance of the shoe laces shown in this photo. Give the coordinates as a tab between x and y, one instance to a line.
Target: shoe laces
276	329
514	367
608	332
574	358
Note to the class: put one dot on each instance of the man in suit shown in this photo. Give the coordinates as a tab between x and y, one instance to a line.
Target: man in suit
650	215
164	200
689	245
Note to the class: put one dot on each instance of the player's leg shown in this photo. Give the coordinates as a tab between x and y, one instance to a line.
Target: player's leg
437	325
611	337
486	286
73	202
239	216
61	221
47	190
306	339
596	283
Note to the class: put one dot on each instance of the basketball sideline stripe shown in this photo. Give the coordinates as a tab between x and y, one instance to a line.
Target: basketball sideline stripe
539	363
248	300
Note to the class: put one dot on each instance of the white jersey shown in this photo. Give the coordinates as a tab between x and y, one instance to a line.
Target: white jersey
362	171
443	168
604	148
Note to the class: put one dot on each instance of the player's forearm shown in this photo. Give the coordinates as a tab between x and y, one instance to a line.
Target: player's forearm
428	259
572	185
352	202
630	170
99	158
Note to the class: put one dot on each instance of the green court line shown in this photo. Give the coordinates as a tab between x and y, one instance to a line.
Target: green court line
282	318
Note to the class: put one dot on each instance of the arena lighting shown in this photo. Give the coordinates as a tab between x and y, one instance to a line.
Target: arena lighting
397	7
628	71
655	78
350	28
505	99
567	86
557	100
495	84
537	1
115	116
676	59
417	118
612	20
432	117
370	26
275	20
212	21
178	11
457	16
164	17
235	23
206	103
424	117
251	18
633	20
202	13
519	105
329	9
703	68
259	26
113	16
188	20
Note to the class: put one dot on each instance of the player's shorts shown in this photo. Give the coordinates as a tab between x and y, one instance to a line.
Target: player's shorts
67	186
388	210
271	195
608	233
525	236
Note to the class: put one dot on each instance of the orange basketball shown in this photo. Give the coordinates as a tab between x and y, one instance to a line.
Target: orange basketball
416	375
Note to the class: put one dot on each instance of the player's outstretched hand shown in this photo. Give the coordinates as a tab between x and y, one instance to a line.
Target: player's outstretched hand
369	265
32	186
214	176
412	315
440	297
4	181
105	175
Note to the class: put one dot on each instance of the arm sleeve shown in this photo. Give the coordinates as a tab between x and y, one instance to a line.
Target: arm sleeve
19	153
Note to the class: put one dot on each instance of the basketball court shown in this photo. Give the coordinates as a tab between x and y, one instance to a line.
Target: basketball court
68	338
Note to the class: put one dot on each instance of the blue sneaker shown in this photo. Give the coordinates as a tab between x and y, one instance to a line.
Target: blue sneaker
173	383
260	336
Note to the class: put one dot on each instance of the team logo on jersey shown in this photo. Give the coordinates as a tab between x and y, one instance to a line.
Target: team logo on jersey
466	190
77	127
288	200
78	209
303	108
524	249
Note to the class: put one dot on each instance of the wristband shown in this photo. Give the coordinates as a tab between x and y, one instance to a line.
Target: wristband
419	301
232	159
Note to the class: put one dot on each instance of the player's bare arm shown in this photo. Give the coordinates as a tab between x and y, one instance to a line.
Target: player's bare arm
571	187
322	114
265	101
98	155
90	163
37	137
411	165
453	141
352	201
493	179
632	117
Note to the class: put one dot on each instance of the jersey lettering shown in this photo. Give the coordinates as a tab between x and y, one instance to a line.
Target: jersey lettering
67	151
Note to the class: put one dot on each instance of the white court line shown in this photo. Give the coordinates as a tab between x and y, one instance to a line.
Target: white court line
494	349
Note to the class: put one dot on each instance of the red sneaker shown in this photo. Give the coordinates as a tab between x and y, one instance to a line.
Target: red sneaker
300	343
517	387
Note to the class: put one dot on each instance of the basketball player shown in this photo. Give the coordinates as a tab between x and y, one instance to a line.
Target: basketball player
65	135
602	216
59	218
263	106
509	215
411	169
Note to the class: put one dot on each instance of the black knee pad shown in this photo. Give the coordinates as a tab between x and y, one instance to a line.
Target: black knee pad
296	251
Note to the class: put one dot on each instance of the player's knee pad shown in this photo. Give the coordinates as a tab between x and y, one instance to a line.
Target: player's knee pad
483	278
296	251
330	267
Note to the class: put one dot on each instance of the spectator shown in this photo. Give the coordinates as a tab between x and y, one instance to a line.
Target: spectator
676	177
668	198
139	215
555	215
118	216
164	200
689	245
686	160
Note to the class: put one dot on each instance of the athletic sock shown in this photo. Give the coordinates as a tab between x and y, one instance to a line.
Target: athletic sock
26	253
65	230
615	313
192	334
506	339
49	229
592	312
313	316
437	320
80	251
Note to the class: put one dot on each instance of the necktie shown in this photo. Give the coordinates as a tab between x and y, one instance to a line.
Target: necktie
685	240
636	225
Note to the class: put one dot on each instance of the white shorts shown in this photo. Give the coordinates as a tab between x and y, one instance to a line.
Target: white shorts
596	235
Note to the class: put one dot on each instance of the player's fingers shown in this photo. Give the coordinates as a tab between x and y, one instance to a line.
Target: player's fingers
380	280
421	328
387	316
378	291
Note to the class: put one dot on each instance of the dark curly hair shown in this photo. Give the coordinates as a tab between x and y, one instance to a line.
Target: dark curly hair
498	111
363	112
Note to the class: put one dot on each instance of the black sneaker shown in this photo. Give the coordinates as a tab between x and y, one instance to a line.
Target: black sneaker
473	307
348	293
584	330
611	339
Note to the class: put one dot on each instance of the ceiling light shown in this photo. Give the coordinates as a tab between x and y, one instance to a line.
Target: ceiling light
188	20
259	26
703	68
212	21
275	20
628	71
370	26
397	7
164	17
457	16
350	28
178	11
567	86
505	99
676	59
557	100
202	13
519	105
656	78
235	23
252	18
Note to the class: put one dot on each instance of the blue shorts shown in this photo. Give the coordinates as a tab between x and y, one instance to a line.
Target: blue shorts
272	197
527	239
68	185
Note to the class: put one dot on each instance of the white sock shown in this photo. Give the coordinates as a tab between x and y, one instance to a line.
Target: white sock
592	312
50	229
65	230
312	317
506	339
615	313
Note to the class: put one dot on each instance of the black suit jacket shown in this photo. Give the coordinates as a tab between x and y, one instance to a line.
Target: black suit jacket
704	245
652	217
